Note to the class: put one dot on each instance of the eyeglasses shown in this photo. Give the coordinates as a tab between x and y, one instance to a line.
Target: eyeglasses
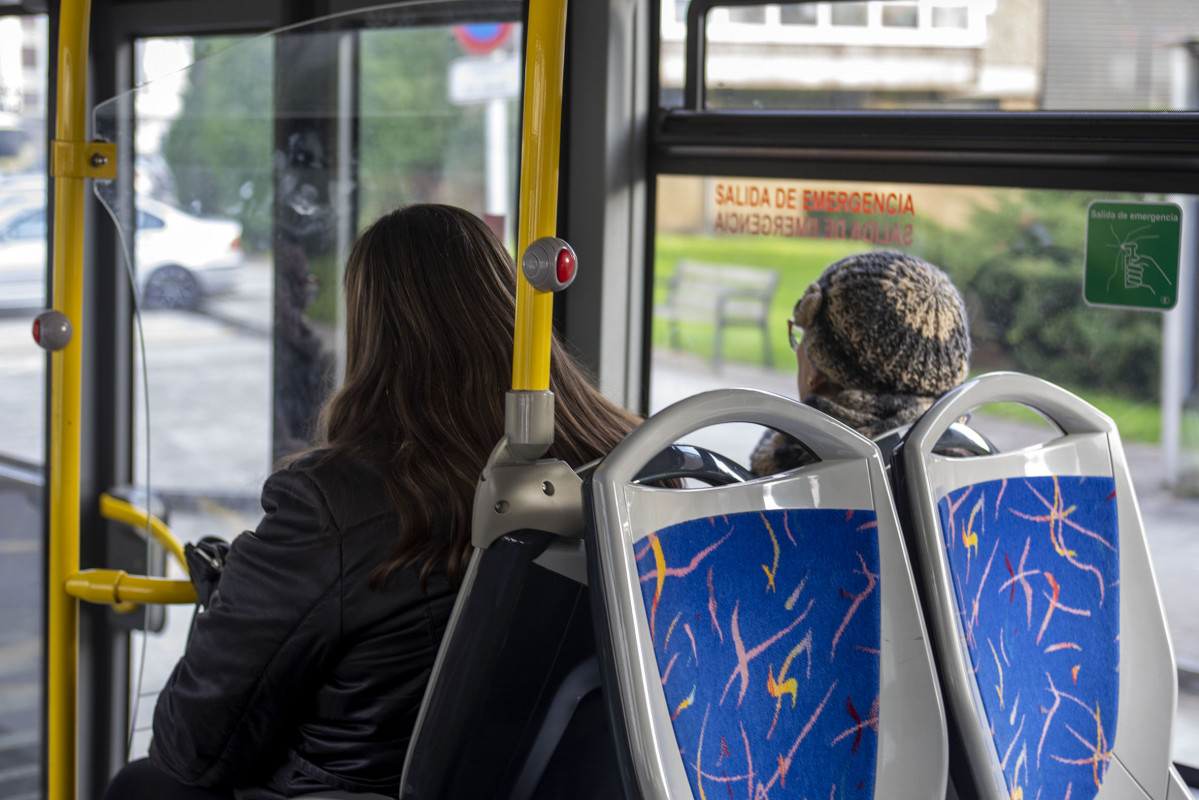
794	334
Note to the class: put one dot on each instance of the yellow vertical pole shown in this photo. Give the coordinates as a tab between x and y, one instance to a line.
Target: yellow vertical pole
65	377
541	132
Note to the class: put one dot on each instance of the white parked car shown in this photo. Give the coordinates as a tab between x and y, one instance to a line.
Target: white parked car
180	258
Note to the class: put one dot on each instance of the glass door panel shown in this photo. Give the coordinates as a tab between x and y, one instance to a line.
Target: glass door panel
24	55
254	169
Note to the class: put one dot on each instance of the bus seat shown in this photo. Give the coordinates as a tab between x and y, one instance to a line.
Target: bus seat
511	672
761	638
958	439
515	691
1050	638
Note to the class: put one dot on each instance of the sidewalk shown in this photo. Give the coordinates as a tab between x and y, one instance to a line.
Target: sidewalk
1171	523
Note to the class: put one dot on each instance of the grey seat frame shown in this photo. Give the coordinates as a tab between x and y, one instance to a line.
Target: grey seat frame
1090	445
912	756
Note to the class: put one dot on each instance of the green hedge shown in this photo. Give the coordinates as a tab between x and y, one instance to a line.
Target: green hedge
1032	309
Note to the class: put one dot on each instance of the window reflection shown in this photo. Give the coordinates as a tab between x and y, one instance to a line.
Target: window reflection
278	150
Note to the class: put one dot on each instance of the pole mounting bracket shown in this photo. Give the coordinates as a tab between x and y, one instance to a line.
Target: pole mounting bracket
96	160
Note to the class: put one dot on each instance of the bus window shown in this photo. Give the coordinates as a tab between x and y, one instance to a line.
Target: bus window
1008	55
255	168
24	54
450	136
1017	257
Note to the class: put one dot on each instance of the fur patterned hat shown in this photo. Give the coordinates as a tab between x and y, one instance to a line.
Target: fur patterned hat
886	322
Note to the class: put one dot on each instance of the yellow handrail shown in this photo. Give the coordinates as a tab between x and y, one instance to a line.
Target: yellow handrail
538	186
115	586
120	511
64	413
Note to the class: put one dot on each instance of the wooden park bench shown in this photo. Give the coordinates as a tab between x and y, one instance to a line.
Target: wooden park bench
723	295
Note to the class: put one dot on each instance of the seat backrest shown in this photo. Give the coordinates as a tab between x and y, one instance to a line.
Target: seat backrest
763	638
515	691
958	439
1048	629
516	663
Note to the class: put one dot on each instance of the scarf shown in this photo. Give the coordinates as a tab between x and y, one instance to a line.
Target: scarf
869	414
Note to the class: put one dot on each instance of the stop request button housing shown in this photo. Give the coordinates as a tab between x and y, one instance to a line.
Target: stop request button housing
549	264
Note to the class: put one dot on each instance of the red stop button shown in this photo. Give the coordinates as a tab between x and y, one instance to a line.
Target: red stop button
566	266
52	330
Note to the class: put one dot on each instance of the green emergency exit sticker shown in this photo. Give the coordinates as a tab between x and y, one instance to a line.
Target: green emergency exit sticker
1132	253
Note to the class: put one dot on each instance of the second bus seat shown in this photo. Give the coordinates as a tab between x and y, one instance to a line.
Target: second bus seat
1050	637
761	639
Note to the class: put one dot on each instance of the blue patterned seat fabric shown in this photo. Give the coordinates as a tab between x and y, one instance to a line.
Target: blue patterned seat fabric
766	629
1035	564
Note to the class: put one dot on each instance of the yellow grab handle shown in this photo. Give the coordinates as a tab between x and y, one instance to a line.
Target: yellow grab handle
115	586
120	511
66	370
538	186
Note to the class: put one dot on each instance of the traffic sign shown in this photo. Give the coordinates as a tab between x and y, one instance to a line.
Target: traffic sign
482	38
1132	254
475	79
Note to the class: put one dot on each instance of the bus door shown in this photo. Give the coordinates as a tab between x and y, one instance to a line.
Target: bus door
246	165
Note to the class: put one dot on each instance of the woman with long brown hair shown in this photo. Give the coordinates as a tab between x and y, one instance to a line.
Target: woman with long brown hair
306	671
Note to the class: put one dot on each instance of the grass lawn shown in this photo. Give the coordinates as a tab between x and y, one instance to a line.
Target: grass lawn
1138	420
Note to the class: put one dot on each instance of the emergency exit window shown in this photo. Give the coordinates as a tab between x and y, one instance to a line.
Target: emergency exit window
1022	260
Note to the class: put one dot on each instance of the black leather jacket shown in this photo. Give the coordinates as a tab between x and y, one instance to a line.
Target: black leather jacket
300	678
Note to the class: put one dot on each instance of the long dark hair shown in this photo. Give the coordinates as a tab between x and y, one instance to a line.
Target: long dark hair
430	304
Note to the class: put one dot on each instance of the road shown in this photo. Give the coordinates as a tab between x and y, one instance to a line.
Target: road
209	381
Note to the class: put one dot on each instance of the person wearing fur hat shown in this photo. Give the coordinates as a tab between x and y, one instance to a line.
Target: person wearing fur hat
877	339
